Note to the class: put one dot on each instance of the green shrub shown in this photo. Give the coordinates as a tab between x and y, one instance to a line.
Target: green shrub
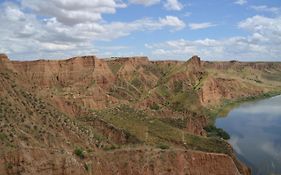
3	137
163	146
154	106
218	132
79	152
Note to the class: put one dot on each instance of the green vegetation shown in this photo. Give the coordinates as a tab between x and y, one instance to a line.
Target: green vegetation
185	101
155	132
178	86
79	152
114	66
9	165
216	132
175	122
29	119
163	91
206	144
87	167
154	106
136	82
162	146
110	147
3	137
272	76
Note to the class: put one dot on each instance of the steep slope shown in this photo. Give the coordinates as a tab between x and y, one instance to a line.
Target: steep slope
83	115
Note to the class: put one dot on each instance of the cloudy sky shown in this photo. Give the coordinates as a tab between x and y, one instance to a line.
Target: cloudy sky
246	30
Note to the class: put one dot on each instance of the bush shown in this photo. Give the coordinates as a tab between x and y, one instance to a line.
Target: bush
214	131
79	152
163	146
154	106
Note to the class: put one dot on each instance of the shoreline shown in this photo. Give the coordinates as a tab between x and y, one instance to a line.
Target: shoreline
228	105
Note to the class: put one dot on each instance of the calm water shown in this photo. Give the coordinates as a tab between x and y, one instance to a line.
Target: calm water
255	130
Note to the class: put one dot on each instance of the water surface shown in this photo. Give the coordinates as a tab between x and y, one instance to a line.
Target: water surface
255	130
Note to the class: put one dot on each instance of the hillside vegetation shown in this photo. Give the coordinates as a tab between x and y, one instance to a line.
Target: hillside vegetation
82	110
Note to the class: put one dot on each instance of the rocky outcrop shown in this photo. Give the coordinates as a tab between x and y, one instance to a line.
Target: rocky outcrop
124	162
40	161
133	60
194	62
82	70
196	125
176	162
159	90
214	90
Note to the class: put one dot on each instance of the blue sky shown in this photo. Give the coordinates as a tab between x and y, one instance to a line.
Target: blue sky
247	30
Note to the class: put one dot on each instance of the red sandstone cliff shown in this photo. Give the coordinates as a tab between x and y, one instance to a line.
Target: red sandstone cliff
178	91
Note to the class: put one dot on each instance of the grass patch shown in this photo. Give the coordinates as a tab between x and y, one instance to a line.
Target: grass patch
114	66
187	100
154	132
110	147
3	137
175	122
206	144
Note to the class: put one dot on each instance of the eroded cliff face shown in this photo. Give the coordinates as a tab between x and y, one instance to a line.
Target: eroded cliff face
142	161
214	90
107	107
33	161
96	83
74	71
146	162
196	125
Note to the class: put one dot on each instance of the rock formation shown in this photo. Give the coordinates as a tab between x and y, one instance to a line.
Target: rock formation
86	115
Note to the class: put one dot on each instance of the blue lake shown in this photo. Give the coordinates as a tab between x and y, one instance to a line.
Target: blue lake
255	130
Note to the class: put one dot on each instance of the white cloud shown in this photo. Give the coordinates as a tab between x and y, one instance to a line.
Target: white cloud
264	8
25	34
197	26
240	2
234	141
145	2
271	149
264	27
72	12
263	42
168	4
173	22
173	5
